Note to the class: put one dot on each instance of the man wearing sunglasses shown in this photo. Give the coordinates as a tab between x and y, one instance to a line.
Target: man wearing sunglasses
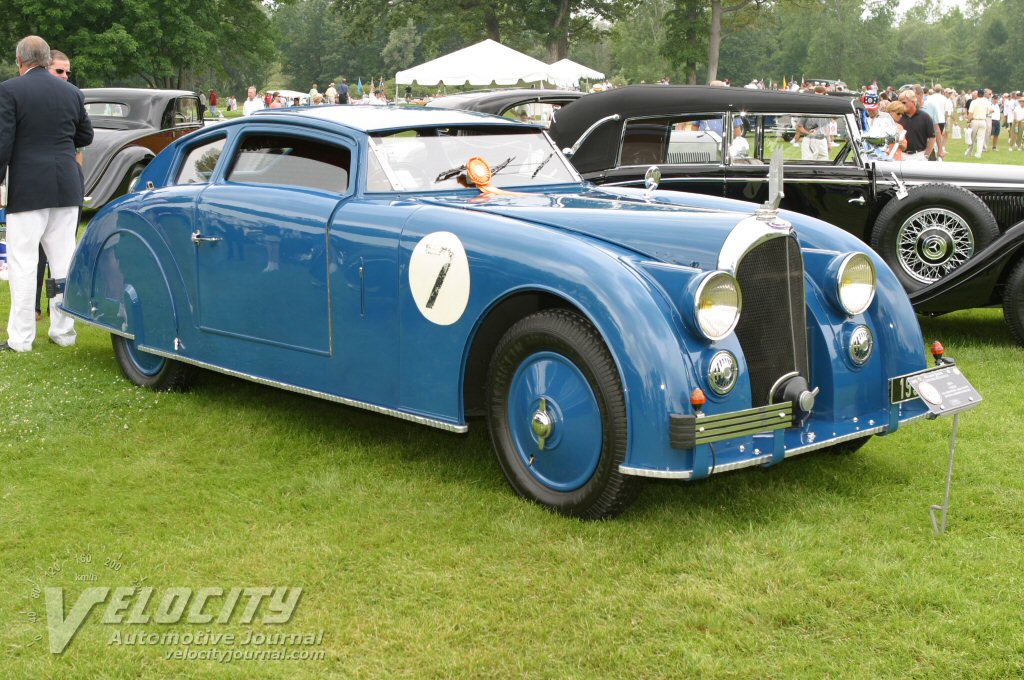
60	66
42	123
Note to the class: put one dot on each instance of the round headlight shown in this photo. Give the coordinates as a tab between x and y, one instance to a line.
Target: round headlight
861	344
856	283
717	305
723	370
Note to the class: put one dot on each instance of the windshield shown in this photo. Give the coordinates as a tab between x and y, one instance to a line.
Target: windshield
433	159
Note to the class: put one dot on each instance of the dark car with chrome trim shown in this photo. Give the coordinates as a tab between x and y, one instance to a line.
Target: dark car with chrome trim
132	126
925	219
525	104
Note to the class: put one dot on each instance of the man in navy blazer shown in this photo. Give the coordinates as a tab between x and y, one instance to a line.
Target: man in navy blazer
42	122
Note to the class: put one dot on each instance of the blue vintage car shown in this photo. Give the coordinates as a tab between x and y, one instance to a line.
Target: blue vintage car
433	265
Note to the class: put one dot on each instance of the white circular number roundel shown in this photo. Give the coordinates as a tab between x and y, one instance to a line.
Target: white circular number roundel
439	277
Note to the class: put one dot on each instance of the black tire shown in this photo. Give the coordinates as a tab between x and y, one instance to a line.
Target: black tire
576	471
149	370
850	446
931	232
1013	302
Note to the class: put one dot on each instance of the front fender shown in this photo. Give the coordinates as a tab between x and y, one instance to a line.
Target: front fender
638	324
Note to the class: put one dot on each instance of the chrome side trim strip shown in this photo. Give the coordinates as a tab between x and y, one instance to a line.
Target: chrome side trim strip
835	440
736	465
792	180
657	474
93	322
402	415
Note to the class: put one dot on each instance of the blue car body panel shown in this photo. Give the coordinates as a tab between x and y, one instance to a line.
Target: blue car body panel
310	290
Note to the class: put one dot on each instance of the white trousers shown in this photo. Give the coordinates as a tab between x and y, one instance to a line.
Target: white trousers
979	128
55	229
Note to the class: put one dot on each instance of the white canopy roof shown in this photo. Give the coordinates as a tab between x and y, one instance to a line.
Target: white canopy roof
567	73
480	64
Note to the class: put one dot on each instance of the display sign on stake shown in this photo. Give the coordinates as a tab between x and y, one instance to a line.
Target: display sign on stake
945	392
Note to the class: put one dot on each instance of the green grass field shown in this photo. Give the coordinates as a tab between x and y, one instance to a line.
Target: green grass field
417	560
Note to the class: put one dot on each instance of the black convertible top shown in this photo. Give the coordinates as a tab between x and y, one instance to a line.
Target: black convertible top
497	101
641	101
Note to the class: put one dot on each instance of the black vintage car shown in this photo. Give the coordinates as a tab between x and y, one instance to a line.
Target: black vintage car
132	126
531	105
927	220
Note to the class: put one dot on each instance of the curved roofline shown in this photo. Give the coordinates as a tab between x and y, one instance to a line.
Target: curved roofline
370	119
135	91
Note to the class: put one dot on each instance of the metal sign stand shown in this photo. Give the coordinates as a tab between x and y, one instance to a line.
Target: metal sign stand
946	392
944	508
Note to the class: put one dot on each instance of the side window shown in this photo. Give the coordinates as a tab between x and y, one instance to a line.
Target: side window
186	111
200	162
679	139
291	161
806	138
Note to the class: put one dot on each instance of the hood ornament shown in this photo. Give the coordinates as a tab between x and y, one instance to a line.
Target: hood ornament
652	178
770	210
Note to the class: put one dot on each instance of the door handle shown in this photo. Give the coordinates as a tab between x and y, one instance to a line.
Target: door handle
197	238
857	201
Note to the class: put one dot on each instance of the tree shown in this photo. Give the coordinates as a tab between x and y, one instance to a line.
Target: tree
636	44
685	42
162	43
400	52
554	23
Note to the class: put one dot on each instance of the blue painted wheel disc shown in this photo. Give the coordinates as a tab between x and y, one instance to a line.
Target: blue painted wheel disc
146	363
550	383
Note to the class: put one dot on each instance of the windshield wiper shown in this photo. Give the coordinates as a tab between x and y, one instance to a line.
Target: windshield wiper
502	165
542	164
448	174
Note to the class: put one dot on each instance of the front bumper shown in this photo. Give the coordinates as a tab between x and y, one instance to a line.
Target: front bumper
767	435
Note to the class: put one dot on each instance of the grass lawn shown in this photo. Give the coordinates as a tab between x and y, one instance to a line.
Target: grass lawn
417	560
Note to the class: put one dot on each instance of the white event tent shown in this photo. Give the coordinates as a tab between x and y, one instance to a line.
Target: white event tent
567	73
480	64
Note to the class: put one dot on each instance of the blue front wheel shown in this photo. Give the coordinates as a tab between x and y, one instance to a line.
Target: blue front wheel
557	416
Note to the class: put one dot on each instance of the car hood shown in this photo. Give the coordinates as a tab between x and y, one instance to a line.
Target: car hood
687	235
971	174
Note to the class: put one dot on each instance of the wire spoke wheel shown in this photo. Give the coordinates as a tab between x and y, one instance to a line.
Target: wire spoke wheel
933	242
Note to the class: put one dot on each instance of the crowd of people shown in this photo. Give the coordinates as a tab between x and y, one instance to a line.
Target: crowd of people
939	114
335	93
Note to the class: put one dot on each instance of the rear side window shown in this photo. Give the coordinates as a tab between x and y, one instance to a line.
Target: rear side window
288	160
676	140
200	162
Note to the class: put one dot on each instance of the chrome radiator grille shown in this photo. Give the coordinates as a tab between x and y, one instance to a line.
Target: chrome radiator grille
772	328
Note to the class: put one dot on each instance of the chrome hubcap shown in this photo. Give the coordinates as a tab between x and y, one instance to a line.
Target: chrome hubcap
542	424
933	242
